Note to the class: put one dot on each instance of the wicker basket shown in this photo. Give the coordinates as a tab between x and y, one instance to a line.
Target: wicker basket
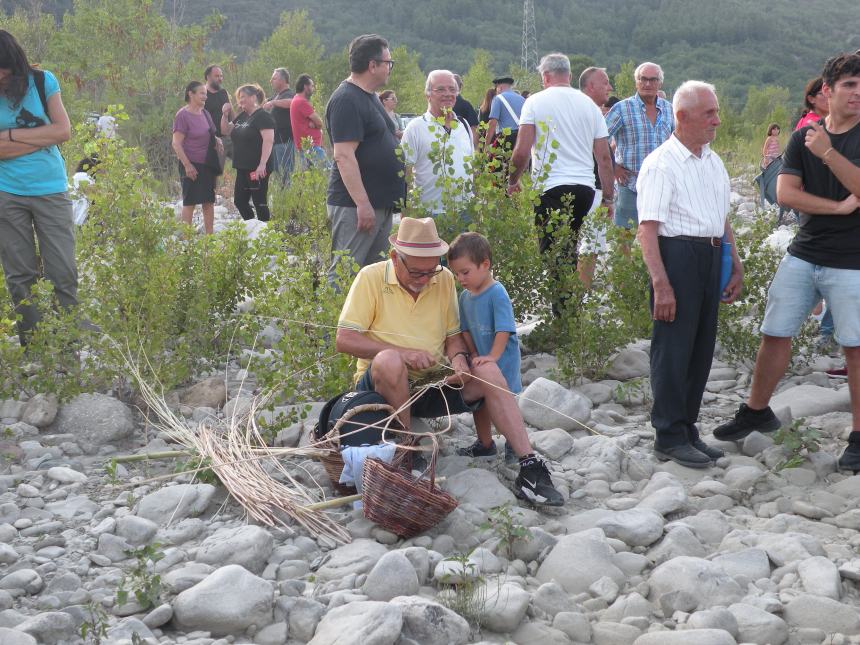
331	458
399	502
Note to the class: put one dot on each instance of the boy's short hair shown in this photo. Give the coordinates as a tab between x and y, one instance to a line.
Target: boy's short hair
470	245
839	67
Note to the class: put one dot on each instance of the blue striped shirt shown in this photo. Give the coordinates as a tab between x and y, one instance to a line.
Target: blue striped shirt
635	137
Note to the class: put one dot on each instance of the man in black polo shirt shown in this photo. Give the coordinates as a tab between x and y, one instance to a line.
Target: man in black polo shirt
820	179
283	150
463	109
216	97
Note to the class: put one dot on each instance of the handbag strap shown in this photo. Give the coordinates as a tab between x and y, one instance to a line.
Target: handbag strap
212	129
509	109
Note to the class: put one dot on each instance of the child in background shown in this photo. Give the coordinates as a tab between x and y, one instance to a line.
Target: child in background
488	326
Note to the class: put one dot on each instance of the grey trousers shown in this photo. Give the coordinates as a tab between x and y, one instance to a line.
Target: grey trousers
48	219
365	247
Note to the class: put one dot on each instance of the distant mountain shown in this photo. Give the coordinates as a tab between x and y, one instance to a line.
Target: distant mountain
736	43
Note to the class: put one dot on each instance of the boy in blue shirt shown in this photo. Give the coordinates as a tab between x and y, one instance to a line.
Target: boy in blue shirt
488	326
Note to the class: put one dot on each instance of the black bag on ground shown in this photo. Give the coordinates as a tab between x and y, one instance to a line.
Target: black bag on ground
340	405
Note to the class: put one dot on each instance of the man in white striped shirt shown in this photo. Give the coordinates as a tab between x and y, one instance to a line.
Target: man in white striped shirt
683	200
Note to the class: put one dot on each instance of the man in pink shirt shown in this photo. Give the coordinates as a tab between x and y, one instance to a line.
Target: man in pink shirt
306	123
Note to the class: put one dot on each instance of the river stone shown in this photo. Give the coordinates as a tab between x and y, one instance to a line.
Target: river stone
480	488
687	637
716	618
577	561
357	557
48	628
393	575
554	444
228	601
22	580
360	623
66	475
575	624
174	503
634	527
41	410
629	364
546	405
820	577
752	563
127	628
209	393
429	623
758	626
552	599
504	607
137	531
305	614
809	400
249	546
95	420
819	612
704	582
15	637
608	633
181	578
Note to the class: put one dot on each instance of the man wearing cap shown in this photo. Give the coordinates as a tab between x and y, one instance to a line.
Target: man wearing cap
504	112
401	321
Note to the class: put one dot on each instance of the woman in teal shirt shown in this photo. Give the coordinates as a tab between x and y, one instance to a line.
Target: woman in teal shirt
33	200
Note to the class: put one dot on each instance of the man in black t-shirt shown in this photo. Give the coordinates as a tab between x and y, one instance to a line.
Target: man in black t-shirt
366	181
216	97
463	109
279	106
820	179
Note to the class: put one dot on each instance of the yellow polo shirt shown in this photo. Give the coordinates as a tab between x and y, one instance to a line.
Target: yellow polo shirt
377	305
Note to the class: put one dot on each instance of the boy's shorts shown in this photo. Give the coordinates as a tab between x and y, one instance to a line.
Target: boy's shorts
796	288
435	402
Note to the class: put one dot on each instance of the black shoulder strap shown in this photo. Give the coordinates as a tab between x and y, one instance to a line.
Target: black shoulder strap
39	81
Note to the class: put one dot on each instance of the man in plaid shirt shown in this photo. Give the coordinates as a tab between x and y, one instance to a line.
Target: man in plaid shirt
639	124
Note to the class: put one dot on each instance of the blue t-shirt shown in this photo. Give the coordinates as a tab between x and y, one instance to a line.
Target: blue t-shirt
501	114
41	172
483	316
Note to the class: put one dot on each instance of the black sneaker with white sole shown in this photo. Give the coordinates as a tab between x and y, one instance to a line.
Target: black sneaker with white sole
850	458
534	484
746	421
478	449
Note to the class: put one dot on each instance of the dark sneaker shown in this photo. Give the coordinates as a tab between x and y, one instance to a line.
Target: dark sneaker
696	441
478	449
850	459
534	484
746	421
511	458
684	454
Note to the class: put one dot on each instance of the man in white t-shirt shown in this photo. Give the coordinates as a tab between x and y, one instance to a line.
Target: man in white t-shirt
567	124
427	169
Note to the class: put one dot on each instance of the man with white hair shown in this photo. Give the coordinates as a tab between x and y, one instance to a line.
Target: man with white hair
428	169
639	124
576	134
683	202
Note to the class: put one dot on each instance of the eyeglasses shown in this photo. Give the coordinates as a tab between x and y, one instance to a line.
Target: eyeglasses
389	62
649	79
445	90
418	274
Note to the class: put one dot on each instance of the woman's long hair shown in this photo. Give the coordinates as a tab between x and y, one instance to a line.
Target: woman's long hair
488	100
13	58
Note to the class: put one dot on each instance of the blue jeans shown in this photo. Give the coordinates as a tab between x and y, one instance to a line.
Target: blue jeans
284	158
314	157
626	214
796	288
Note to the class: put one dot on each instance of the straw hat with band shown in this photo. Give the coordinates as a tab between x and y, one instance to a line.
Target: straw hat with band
418	238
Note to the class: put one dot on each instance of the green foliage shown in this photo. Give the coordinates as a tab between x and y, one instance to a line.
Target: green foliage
139	580
95	628
797	442
623	83
465	592
479	78
505	527
32	29
202	467
578	64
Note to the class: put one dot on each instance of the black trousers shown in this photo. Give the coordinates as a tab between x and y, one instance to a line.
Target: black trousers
573	201
682	350
246	191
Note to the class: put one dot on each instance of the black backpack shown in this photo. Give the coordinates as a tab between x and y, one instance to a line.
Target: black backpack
39	82
346	401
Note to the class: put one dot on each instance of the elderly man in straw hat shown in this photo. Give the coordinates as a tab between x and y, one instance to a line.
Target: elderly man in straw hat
401	321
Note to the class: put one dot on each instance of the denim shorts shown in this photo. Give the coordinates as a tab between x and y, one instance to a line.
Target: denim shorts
797	287
435	402
626	214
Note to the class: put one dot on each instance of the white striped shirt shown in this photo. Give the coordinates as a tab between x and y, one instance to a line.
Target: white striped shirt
686	194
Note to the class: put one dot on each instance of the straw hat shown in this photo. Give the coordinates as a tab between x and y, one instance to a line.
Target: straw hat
418	238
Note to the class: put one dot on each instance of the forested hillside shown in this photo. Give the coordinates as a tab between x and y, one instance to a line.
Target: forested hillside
737	43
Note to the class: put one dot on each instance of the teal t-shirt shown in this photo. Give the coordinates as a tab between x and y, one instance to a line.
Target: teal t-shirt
41	172
485	315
